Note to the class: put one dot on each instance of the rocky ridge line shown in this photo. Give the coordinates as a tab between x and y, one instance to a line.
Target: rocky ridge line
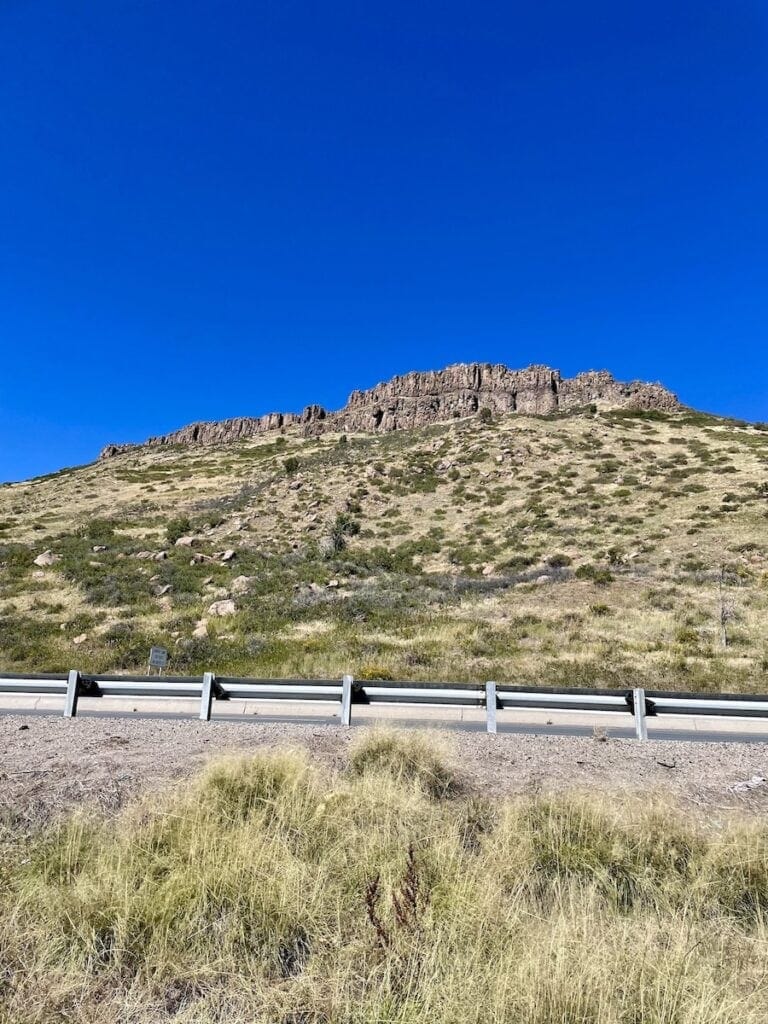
418	399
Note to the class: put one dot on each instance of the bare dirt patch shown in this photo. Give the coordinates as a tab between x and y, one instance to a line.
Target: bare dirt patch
50	765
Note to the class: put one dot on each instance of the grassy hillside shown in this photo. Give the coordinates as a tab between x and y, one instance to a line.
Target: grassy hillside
617	549
267	891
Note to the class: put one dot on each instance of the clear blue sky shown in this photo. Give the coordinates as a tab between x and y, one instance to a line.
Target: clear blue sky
214	209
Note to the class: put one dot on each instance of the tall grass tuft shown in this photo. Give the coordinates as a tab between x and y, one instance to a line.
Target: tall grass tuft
406	757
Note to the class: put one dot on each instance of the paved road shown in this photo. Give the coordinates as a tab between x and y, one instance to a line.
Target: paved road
561	723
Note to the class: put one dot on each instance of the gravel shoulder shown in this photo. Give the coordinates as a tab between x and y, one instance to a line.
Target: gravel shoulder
49	765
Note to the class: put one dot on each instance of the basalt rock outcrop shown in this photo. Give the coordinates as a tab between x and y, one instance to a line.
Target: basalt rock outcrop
418	399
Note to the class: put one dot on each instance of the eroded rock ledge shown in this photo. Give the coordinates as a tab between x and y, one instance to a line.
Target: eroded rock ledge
418	399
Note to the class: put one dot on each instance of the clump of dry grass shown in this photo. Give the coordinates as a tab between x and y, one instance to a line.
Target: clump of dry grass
408	758
269	891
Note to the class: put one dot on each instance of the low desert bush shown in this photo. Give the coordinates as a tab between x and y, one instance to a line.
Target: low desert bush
177	527
595	574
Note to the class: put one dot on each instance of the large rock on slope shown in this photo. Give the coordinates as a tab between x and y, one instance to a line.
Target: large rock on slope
418	399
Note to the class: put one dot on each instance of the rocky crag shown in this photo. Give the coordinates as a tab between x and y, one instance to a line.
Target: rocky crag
418	399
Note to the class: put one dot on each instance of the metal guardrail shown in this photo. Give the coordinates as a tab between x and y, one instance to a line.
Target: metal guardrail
347	692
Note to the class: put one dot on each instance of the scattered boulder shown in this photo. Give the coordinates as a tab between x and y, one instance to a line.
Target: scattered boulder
200	632
162	590
81	639
242	584
327	547
756	782
222	608
187	542
99	547
332	584
228	555
46	559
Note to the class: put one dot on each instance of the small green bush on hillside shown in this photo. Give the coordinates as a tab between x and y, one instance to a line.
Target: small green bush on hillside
595	574
177	527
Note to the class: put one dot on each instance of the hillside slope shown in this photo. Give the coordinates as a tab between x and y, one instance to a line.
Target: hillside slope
617	548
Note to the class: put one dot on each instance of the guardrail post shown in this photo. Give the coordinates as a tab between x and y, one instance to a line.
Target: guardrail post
346	700
638	701
206	697
73	692
490	706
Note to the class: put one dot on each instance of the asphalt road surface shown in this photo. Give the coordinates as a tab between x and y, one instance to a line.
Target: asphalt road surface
702	729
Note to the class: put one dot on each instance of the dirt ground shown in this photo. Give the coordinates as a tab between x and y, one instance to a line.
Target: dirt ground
49	764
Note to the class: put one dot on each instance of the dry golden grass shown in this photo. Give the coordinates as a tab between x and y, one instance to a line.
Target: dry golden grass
268	891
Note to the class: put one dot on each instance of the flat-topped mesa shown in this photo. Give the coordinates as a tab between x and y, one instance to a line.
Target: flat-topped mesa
418	399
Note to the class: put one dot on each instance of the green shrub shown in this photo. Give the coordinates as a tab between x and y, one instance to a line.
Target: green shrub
99	530
600	610
595	574
345	525
371	670
559	560
686	636
177	527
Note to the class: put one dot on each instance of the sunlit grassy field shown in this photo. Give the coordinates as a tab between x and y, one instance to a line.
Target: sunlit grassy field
615	549
272	891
